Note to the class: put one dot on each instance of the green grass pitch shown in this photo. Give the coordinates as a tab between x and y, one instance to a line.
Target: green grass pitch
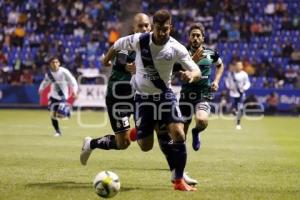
262	161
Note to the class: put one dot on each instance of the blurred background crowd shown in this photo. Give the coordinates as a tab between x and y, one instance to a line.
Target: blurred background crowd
264	34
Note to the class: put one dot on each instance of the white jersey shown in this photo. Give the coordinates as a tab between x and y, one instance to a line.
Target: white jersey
163	56
64	78
241	83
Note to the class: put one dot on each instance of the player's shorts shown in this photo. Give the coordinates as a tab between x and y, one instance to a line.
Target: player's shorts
53	104
150	109
119	113
238	102
189	108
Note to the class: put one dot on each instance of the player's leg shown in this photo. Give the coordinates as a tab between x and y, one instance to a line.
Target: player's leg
239	115
171	115
202	112
144	121
118	141
179	156
165	144
53	107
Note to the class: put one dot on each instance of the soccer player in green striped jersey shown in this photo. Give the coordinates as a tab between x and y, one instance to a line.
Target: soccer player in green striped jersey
195	97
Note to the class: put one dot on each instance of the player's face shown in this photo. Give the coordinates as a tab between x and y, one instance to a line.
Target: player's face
142	26
196	38
161	32
54	65
238	66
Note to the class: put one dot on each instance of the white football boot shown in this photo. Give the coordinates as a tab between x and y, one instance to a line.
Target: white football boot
85	150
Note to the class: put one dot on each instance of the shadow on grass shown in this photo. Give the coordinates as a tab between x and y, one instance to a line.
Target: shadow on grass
143	188
60	185
141	169
75	185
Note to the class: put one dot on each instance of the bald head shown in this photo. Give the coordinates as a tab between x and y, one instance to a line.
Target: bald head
141	23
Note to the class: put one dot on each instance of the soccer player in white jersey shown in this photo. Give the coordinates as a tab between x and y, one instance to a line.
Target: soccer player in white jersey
63	78
237	82
156	53
120	139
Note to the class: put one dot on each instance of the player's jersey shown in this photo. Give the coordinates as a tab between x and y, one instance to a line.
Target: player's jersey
202	89
119	75
237	83
163	56
63	78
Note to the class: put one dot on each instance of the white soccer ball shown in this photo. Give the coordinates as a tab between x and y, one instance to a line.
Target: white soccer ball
107	184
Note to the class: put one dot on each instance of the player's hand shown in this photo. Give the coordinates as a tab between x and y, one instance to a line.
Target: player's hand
130	67
214	86
186	76
198	55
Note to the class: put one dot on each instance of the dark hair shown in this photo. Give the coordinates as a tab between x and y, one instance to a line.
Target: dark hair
53	58
197	26
161	17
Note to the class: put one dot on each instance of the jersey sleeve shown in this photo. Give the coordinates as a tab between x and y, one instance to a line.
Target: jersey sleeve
46	81
185	60
127	43
247	83
216	58
72	81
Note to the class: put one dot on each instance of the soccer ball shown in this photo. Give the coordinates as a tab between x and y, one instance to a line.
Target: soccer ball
107	184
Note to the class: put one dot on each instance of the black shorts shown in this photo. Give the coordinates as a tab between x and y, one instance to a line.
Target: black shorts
150	109
119	113
53	104
238	102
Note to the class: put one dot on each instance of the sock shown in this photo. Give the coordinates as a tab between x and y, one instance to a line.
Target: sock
165	146
239	116
106	142
197	129
179	157
55	125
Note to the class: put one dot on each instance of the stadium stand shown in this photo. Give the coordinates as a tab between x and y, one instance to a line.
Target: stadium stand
264	34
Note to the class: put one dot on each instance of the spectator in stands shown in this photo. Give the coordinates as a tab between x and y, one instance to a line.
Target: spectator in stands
256	28
266	28
286	22
295	57
223	34
280	8
270	8
26	77
287	50
272	102
291	75
245	32
113	35
296	22
248	67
